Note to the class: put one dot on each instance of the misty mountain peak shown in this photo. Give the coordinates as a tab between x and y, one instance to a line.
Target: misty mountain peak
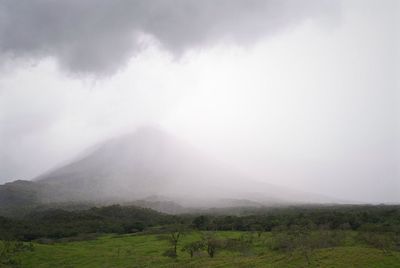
146	162
151	162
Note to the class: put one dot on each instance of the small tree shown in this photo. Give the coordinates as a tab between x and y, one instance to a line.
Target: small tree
193	247
175	232
296	238
305	241
212	243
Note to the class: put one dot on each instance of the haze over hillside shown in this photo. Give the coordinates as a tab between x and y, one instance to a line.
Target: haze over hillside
152	162
153	165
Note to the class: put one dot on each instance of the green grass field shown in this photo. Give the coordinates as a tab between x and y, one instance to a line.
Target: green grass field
147	251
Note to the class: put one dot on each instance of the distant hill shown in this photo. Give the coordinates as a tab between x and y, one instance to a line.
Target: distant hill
150	162
19	193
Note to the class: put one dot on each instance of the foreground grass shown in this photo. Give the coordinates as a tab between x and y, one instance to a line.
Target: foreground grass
147	250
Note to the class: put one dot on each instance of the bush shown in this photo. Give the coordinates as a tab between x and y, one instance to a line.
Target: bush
9	249
383	241
305	240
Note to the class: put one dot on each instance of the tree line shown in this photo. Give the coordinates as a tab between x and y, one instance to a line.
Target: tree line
59	223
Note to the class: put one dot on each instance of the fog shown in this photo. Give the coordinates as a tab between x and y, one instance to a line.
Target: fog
299	94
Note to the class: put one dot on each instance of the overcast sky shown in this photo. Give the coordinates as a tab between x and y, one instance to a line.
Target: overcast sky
298	93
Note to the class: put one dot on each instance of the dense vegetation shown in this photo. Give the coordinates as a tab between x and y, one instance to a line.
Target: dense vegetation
58	223
291	235
385	218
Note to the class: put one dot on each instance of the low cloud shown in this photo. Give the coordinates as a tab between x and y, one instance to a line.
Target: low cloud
100	36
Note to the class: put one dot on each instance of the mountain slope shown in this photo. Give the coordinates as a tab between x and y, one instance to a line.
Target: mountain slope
147	162
150	162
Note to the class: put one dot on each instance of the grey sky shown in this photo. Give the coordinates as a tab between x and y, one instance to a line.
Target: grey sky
97	36
299	93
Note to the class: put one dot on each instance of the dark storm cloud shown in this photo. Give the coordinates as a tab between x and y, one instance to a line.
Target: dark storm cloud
98	36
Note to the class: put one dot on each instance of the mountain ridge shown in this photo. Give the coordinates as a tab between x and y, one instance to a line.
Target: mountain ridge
151	162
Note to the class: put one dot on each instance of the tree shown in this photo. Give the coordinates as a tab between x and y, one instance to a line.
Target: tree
296	238
212	243
175	232
304	241
200	222
193	247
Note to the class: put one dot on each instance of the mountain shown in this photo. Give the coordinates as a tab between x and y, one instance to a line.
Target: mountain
147	162
151	162
19	193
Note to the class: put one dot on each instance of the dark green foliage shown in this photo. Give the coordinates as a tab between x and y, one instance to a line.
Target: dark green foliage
58	223
294	228
200	222
383	217
301	233
9	249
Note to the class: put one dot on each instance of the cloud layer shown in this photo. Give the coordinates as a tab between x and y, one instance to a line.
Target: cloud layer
98	36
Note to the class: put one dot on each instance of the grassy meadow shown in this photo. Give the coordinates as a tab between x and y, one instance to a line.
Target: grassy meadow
146	250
